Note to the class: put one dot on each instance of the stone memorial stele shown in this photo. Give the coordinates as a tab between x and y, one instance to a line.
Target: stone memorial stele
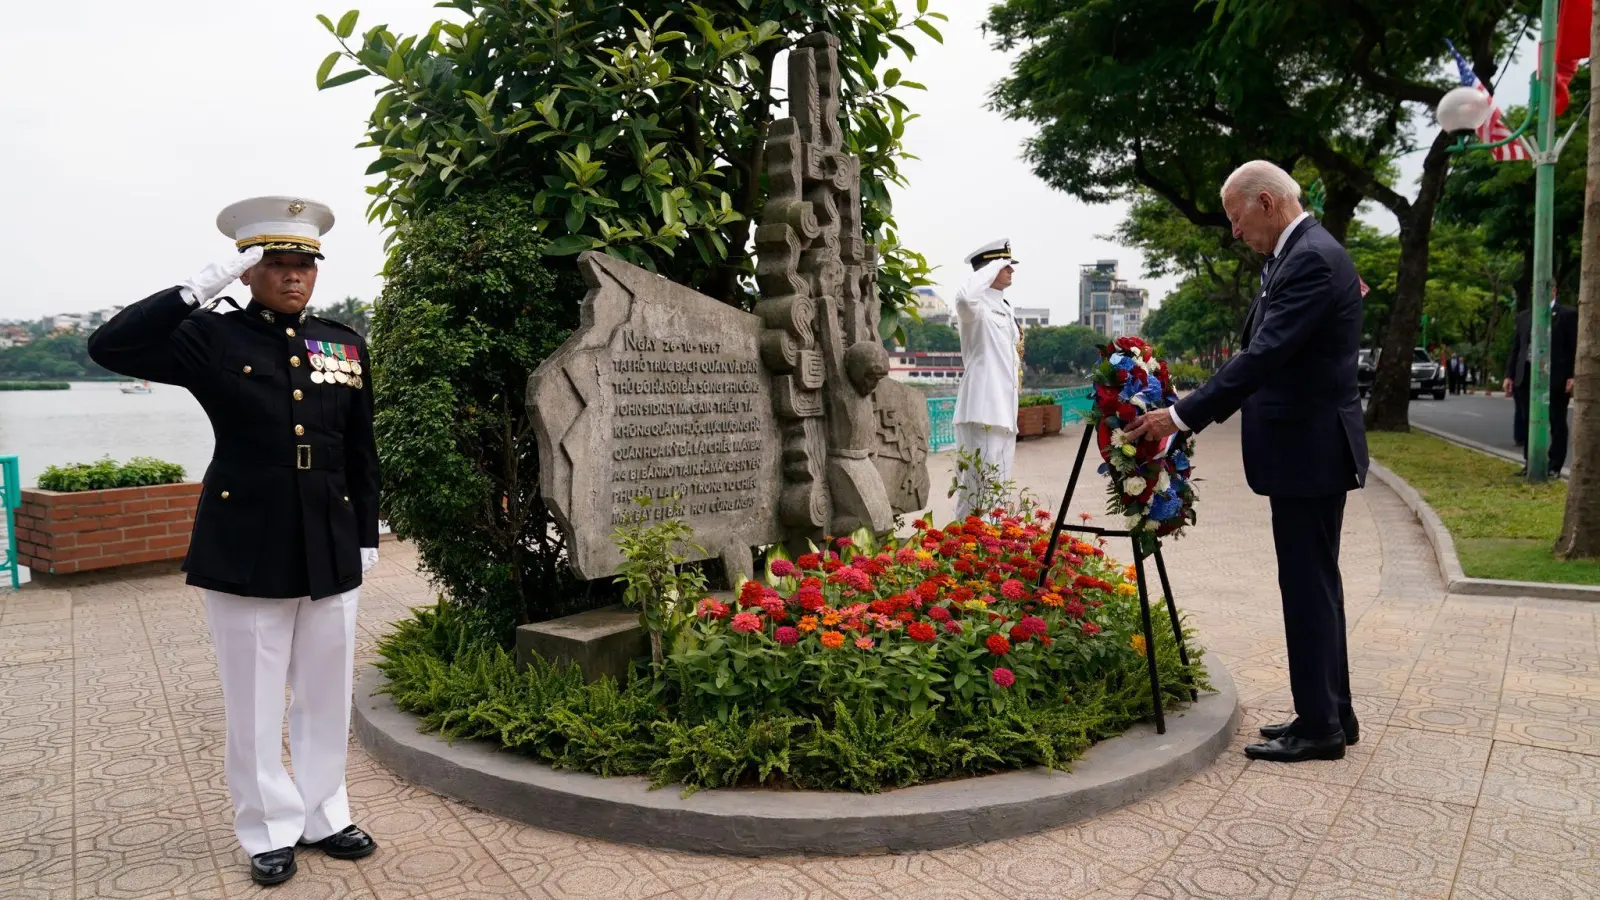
773	427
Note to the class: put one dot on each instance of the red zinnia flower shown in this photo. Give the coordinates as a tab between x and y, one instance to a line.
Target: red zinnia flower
788	635
1091	628
1003	677
921	632
809	561
782	568
832	564
1034	625
1013	590
951	626
713	608
998	645
939	614
1019	634
905	615
844	542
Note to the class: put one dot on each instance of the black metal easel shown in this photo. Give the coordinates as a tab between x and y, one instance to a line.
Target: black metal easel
1138	564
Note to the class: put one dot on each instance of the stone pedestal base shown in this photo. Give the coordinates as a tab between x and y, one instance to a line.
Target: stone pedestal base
602	642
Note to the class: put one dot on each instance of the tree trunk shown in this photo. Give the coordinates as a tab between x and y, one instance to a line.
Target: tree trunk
1340	210
1391	387
1580	527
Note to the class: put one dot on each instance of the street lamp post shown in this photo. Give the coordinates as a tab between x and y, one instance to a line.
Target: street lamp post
1465	109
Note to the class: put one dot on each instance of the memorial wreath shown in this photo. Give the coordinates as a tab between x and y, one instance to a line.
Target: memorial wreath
1150	479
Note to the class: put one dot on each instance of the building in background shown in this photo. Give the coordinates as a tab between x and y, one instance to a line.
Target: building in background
932	308
1106	303
1030	317
922	367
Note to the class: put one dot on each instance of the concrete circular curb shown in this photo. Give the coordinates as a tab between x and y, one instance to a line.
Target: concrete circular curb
757	822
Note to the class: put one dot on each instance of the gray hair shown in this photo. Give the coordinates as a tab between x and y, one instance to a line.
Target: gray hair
1261	177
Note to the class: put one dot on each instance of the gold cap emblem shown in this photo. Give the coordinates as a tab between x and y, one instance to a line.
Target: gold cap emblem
296	207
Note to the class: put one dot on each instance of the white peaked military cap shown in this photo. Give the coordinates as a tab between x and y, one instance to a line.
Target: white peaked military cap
289	224
990	252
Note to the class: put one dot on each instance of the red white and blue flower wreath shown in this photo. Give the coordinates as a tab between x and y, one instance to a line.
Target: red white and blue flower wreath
1150	480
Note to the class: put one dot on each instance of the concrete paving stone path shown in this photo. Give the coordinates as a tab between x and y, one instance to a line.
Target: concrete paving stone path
1477	776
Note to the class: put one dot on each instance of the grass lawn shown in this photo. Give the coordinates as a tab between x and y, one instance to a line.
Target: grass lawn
1503	527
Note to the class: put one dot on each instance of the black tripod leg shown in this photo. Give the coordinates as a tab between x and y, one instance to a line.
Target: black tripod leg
1066	500
1172	612
1149	639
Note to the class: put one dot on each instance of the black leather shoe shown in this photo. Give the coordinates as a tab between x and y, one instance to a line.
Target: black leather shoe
1352	732
351	843
1293	748
273	866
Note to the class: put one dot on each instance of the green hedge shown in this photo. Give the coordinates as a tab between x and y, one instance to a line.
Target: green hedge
35	386
141	471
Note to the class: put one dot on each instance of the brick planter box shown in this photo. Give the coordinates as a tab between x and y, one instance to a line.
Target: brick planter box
65	533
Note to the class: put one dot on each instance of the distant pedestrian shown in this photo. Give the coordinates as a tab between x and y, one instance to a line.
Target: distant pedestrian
1519	378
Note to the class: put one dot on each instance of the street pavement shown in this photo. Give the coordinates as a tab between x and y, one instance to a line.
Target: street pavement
1477	776
1480	419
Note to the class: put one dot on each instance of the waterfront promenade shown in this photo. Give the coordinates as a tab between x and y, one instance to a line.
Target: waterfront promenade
1477	776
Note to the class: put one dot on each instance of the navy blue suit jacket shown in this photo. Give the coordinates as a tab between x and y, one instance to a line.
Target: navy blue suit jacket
1294	379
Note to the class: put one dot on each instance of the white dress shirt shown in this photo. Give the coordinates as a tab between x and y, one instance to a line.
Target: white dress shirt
1283	238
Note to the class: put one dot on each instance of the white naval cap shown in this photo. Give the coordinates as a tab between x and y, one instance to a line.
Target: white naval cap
990	252
277	223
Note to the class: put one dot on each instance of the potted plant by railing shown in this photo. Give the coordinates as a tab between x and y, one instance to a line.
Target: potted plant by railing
1038	414
101	515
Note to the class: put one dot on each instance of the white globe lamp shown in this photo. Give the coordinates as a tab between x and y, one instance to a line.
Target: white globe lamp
1464	109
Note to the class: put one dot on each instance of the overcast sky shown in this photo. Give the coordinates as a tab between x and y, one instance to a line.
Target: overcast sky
130	125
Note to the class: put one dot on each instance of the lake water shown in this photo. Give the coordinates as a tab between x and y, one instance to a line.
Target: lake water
95	419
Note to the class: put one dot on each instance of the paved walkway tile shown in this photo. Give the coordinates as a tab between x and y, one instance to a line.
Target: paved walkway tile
1477	775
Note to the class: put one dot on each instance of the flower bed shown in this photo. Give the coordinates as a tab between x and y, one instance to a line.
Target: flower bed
857	668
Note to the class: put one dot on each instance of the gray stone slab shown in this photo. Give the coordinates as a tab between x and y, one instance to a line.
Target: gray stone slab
758	822
602	641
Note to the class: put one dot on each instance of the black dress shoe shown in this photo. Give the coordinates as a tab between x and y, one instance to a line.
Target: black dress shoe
273	866
1352	732
351	843
1293	748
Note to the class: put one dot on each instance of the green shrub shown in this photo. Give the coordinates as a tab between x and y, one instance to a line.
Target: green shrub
1036	400
1187	376
141	471
35	386
468	311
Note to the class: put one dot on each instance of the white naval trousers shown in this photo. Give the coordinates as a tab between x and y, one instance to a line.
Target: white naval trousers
996	446
263	644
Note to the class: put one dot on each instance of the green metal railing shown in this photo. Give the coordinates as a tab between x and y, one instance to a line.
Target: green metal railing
11	497
942	411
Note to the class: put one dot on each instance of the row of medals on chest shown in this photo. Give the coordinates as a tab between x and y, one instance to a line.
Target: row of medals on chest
330	370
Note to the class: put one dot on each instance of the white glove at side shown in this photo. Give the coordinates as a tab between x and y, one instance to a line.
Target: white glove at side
369	558
210	281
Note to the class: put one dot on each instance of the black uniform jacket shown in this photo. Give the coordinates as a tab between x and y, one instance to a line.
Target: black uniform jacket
1294	381
291	495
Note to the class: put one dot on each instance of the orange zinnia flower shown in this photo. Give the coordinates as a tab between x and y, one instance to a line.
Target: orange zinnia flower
1051	599
831	617
807	624
833	640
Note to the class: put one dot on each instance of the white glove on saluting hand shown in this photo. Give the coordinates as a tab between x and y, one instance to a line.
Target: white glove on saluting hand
369	558
213	278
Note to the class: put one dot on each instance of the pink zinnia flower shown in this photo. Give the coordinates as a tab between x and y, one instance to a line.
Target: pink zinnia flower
952	626
1034	625
939	614
864	643
782	568
788	635
1003	677
746	623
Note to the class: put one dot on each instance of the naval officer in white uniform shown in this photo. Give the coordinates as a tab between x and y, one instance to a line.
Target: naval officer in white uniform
986	407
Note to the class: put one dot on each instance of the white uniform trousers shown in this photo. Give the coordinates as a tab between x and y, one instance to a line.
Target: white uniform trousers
263	644
996	446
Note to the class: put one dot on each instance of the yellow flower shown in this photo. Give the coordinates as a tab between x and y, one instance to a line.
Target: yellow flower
1127	590
807	624
924	556
830	618
1129	450
1051	599
976	603
1137	643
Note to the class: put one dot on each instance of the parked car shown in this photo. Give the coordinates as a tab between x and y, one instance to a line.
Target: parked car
1427	376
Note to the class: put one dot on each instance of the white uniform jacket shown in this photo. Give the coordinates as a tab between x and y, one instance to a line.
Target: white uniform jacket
988	394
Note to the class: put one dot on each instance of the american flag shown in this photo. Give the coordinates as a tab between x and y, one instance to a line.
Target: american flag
1495	128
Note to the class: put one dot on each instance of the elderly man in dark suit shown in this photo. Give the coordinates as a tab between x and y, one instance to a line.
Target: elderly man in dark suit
1519	378
1305	445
